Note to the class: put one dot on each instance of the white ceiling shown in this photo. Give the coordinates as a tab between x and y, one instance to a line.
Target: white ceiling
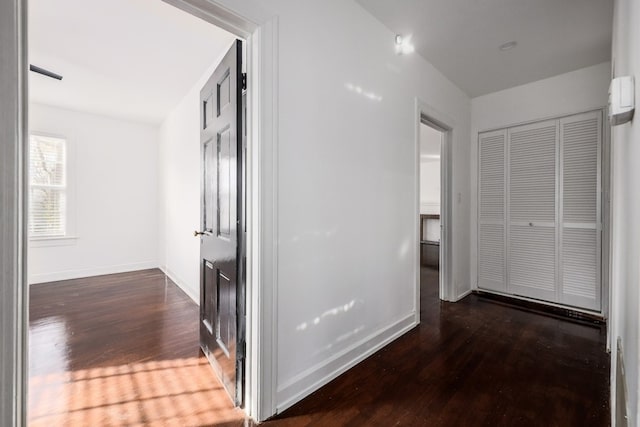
461	37
133	59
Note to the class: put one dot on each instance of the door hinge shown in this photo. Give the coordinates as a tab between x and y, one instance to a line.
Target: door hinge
244	81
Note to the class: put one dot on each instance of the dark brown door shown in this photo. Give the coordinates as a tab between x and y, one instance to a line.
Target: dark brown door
221	287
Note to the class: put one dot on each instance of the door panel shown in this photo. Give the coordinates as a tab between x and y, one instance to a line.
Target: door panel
580	148
208	298
532	262
533	210
491	212
221	311
532	183
580	268
225	165
209	215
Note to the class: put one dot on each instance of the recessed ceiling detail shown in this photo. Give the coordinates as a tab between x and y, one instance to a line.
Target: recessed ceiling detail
460	37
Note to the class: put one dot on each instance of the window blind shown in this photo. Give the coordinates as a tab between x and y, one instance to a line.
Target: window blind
47	186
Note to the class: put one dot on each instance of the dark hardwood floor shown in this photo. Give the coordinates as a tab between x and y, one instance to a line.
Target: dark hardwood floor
122	350
472	363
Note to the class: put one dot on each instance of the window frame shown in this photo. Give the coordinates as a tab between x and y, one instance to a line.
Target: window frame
70	237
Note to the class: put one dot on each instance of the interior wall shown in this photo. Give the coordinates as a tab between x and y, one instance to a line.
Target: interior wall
346	242
430	198
179	189
625	278
569	93
430	147
113	169
430	186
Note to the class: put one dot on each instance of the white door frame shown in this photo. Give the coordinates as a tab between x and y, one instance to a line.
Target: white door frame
13	137
261	34
426	114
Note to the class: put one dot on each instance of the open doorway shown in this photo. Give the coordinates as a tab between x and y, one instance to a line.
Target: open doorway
431	139
434	139
114	187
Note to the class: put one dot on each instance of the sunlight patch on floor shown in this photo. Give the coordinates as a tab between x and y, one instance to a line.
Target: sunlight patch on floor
181	392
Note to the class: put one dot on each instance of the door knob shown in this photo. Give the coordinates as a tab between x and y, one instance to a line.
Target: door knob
199	233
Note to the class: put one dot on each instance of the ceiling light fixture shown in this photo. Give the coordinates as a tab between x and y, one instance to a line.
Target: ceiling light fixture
403	45
508	45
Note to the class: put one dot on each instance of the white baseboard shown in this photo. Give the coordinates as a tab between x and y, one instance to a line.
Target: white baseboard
90	272
181	284
315	377
462	295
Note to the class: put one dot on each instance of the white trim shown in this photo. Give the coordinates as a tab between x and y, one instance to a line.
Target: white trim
462	295
448	126
605	220
90	272
316	376
264	194
182	284
218	15
47	242
541	119
13	225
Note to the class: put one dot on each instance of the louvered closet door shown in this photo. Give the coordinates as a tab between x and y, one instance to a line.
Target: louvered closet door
580	148
491	214
532	210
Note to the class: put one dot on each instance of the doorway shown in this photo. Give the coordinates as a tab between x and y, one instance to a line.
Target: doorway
260	194
431	139
113	184
433	151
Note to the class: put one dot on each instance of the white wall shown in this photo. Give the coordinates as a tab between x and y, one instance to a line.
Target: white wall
430	198
625	144
114	173
347	247
574	92
568	93
430	185
179	189
430	149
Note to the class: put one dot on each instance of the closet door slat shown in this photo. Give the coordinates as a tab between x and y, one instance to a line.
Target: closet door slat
491	211
580	233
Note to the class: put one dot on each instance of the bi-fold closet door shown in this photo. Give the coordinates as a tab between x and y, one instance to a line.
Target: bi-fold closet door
539	210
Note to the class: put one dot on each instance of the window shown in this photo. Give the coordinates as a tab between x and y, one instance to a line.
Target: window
47	187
